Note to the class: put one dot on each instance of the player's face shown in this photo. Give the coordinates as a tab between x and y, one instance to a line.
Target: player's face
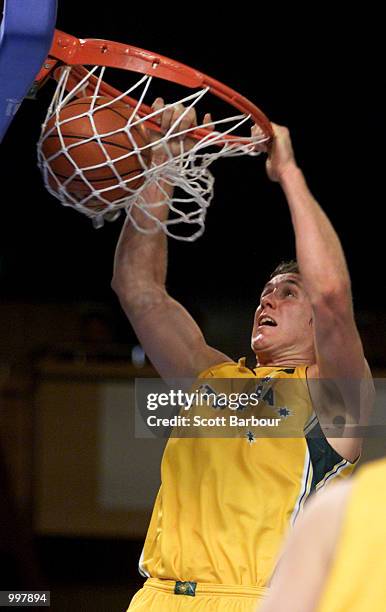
283	319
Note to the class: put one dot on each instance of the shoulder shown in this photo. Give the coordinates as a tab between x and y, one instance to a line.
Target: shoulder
314	372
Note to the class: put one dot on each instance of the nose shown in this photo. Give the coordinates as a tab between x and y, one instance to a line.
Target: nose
269	299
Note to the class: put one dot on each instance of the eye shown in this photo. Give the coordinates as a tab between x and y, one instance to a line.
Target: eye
290	292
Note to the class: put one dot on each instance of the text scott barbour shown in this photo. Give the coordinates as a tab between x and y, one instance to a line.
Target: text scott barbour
186	401
217	421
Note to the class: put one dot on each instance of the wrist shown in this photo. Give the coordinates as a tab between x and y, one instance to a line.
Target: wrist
289	172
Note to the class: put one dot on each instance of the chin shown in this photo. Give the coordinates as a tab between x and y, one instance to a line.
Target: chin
259	347
260	342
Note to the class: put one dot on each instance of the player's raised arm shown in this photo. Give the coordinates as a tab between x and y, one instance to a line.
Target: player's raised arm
325	278
170	337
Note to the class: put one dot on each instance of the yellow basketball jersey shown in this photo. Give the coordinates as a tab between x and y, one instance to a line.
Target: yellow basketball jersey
357	579
225	504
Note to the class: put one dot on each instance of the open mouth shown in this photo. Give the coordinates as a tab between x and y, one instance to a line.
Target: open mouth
268	321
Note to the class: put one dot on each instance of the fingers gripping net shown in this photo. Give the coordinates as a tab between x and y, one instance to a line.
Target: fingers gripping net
186	159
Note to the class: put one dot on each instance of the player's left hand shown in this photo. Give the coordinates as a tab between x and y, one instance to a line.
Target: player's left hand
281	155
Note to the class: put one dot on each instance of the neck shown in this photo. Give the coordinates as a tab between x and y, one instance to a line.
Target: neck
293	359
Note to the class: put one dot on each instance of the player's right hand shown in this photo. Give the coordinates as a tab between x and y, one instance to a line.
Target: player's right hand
173	117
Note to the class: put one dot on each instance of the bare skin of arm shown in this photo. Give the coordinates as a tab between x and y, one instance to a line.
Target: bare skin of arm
308	554
325	277
170	337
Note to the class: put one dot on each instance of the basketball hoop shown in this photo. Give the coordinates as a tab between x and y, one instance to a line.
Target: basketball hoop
80	68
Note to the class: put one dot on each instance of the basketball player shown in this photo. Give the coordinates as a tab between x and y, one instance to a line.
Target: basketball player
224	505
334	560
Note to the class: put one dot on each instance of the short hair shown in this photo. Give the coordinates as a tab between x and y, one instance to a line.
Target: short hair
286	267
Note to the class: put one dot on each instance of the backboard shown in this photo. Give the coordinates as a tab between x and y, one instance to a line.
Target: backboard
26	33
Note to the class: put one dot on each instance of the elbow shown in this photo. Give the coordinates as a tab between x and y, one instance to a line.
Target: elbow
121	289
126	286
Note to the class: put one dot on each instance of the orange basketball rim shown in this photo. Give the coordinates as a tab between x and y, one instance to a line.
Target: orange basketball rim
79	66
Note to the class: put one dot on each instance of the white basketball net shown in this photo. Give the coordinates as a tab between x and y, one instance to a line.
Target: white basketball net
188	172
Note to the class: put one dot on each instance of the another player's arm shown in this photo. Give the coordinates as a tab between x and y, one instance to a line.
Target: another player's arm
308	554
170	337
339	352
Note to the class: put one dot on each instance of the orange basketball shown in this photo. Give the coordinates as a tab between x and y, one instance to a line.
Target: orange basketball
101	148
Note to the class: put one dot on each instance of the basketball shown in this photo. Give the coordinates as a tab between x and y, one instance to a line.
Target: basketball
99	139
